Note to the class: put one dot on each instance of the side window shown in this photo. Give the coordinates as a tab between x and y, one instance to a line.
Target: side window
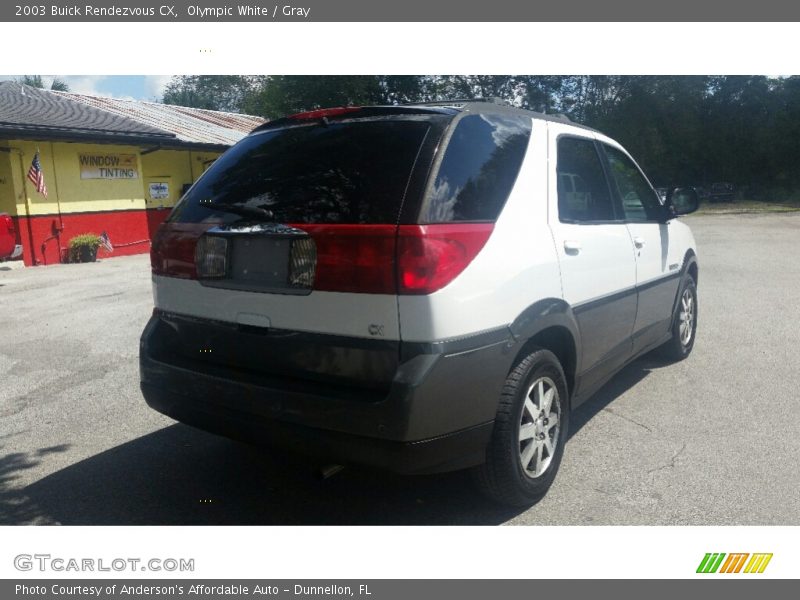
582	188
479	168
639	201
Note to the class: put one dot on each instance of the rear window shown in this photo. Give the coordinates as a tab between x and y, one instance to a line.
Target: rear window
352	172
478	169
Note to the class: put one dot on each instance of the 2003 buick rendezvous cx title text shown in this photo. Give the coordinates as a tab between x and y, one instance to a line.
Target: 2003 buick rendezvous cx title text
422	288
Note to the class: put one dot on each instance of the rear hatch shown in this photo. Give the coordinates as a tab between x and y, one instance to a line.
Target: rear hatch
281	259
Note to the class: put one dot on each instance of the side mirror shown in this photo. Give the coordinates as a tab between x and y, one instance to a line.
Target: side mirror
682	201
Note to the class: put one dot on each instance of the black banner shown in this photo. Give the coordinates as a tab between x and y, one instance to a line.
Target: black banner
406	11
390	589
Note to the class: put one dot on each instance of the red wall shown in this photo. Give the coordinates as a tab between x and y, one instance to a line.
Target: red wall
130	232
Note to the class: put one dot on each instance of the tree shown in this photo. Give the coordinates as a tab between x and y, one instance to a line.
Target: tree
785	140
535	92
683	130
286	94
57	85
213	92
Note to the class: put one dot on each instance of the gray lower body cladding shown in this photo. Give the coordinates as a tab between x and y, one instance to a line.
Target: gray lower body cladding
422	408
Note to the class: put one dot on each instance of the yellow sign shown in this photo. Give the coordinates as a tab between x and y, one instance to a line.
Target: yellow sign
108	166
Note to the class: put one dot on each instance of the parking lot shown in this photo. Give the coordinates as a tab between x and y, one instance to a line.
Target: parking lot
714	440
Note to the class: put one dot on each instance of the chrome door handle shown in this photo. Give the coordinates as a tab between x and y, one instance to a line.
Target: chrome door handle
572	246
638	242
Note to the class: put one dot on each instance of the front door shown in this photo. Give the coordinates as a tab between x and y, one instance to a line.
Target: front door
657	269
598	270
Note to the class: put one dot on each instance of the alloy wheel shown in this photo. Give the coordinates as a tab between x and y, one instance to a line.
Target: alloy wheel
686	317
539	427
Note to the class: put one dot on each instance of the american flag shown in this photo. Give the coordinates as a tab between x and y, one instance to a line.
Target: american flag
105	242
36	176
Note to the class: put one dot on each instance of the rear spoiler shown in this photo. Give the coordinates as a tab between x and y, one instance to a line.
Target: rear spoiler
340	112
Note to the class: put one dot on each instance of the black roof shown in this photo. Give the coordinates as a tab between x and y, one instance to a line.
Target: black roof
31	113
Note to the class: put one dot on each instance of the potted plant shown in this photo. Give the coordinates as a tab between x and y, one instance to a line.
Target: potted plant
83	248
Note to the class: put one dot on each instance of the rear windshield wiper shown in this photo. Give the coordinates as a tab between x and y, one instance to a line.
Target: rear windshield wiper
255	212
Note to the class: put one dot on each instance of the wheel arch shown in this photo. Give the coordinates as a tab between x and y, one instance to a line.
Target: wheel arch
690	265
550	324
691	268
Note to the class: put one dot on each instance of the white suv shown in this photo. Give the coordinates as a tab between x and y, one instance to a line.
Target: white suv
419	288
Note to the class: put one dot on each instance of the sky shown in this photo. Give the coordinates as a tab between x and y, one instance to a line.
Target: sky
131	87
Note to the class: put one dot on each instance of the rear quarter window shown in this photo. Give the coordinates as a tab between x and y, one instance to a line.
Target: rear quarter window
478	170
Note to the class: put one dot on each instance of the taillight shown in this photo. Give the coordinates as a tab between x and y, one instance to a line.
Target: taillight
302	263
174	247
354	258
367	259
385	259
431	256
211	257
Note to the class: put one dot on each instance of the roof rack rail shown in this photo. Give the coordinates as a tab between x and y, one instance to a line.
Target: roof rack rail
457	101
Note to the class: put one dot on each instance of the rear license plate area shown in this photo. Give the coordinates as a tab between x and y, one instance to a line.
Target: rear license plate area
259	263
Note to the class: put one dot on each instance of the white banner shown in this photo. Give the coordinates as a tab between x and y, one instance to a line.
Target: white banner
394	552
108	166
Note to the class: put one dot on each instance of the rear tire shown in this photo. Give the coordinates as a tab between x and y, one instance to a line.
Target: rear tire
530	431
684	328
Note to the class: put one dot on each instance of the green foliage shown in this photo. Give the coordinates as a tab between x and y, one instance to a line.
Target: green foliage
286	94
82	244
31	80
683	130
213	92
89	240
58	85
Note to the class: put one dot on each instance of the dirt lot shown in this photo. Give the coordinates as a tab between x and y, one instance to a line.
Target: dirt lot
712	440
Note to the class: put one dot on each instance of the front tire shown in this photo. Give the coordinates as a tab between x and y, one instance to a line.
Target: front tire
684	327
530	432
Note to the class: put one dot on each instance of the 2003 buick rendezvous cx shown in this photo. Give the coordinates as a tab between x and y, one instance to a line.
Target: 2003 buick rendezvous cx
421	288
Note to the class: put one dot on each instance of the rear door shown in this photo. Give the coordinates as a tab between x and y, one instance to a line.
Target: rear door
598	271
657	265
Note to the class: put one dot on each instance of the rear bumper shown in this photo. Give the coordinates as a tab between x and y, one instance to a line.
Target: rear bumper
446	453
436	415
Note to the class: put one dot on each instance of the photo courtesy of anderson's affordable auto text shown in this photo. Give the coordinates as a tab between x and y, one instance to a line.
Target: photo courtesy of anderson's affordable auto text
339	309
